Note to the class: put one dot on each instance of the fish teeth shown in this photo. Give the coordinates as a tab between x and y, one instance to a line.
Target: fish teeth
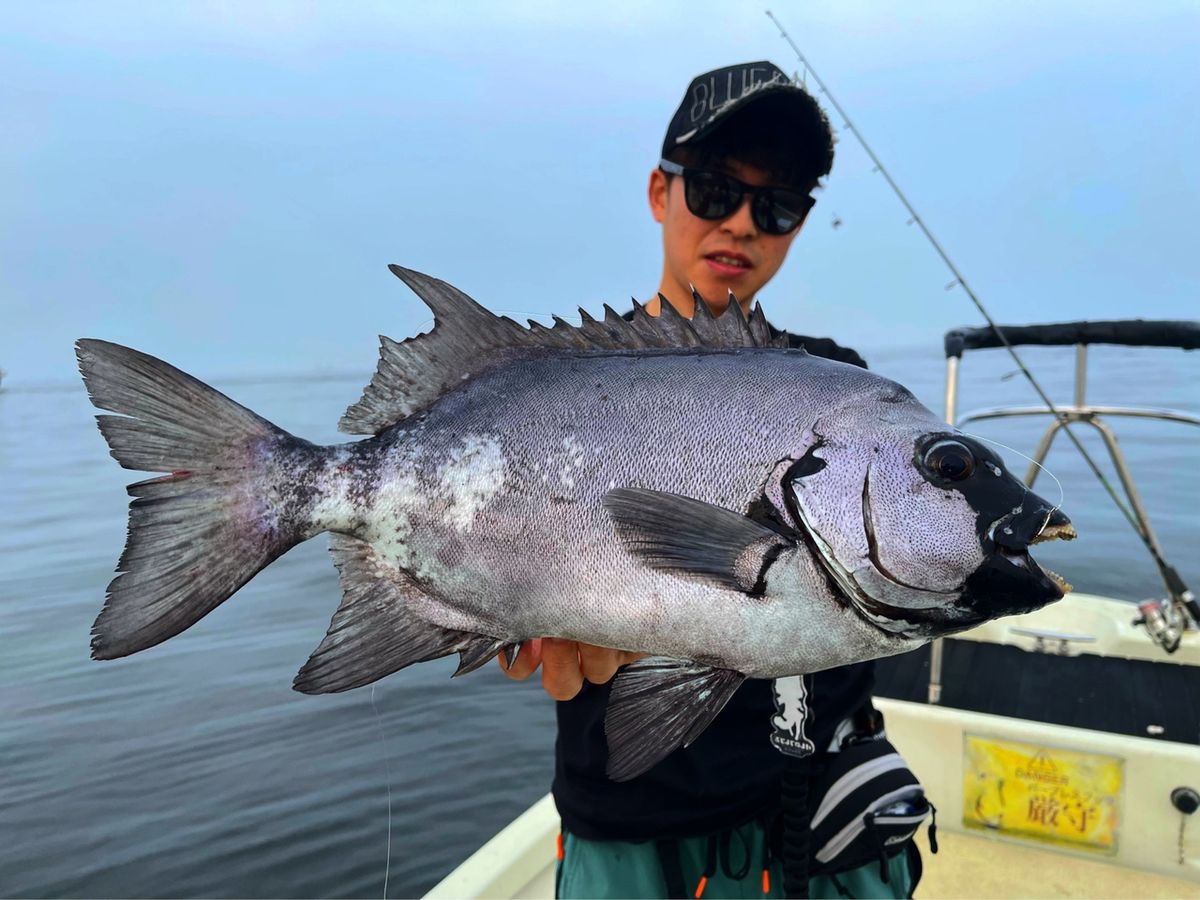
1056	533
1061	583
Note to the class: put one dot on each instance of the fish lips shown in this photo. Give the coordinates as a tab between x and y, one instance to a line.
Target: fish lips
1010	581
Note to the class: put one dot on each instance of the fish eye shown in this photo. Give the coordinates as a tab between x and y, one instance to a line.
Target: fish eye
950	460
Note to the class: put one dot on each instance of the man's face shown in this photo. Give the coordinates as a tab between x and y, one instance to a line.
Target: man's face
716	256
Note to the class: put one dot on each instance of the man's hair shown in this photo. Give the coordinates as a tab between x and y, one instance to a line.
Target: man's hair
792	142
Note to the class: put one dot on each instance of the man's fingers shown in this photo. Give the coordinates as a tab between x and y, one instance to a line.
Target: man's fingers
565	664
599	664
526	662
561	675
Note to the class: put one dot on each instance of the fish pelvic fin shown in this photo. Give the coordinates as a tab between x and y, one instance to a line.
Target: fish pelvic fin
658	705
200	532
378	629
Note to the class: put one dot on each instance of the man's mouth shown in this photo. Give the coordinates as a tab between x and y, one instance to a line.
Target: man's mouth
728	263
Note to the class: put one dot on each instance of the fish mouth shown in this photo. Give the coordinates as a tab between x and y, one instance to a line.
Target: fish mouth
1054	527
1059	531
1021	559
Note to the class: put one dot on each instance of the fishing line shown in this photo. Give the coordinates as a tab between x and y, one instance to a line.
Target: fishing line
387	761
961	281
1061	493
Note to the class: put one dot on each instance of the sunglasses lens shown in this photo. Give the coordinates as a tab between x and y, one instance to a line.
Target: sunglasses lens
710	195
781	212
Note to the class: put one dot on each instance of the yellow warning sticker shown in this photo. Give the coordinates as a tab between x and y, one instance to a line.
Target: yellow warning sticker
1048	794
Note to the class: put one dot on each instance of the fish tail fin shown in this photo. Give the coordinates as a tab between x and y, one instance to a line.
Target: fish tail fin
202	531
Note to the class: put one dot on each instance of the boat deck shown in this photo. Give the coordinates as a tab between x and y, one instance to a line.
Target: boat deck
977	866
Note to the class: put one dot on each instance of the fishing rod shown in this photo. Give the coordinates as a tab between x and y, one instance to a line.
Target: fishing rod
1174	582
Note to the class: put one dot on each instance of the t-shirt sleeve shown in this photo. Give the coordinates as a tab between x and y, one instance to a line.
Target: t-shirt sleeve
828	348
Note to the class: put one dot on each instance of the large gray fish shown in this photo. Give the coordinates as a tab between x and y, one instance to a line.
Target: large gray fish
688	489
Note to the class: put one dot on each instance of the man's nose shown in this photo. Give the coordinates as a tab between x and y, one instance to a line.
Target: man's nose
740	223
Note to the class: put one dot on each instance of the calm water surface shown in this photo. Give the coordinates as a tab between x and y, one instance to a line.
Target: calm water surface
193	769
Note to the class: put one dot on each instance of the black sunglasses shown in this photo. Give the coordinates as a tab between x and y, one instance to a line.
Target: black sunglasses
715	195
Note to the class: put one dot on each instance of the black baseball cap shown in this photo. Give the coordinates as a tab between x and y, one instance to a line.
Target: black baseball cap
712	98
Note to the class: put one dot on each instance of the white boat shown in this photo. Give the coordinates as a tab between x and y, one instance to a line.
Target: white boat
520	860
1053	798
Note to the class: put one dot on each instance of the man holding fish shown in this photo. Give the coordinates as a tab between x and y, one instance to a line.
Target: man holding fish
740	159
731	512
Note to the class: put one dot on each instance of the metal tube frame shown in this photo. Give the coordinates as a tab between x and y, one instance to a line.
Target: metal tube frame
1080	412
936	648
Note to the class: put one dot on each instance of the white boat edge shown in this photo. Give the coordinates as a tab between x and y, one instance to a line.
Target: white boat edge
520	860
1085	623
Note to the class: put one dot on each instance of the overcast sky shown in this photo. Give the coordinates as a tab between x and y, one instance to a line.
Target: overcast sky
223	184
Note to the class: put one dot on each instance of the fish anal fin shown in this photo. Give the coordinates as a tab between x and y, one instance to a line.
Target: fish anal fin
658	705
481	651
692	538
376	630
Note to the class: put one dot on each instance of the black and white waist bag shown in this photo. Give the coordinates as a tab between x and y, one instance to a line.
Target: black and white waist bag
868	805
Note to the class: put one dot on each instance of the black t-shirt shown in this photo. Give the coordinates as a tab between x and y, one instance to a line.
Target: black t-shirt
729	775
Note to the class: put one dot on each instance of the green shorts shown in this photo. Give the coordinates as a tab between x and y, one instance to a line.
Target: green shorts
596	869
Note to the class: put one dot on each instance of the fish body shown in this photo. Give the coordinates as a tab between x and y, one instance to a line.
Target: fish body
730	507
506	464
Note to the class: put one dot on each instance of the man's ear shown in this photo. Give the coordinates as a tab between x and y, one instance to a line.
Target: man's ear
657	193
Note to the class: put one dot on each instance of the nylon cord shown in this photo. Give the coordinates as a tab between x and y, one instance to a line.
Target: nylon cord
387	866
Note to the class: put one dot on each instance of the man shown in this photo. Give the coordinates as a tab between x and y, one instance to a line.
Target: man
741	156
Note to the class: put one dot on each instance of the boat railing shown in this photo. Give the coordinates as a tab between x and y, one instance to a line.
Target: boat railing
1171	619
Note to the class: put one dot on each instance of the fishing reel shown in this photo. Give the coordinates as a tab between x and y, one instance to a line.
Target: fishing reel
1163	621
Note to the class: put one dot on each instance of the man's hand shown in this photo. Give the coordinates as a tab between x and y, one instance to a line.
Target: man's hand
565	664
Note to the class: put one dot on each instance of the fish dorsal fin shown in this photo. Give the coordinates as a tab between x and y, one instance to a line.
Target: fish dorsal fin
467	340
412	374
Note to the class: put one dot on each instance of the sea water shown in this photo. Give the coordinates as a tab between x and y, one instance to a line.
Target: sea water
193	769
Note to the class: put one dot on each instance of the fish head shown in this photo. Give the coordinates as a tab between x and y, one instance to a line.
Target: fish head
922	530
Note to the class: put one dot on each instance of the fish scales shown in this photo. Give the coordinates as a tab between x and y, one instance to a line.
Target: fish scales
542	442
692	491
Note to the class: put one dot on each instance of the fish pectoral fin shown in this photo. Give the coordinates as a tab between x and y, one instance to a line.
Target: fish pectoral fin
658	705
375	631
696	539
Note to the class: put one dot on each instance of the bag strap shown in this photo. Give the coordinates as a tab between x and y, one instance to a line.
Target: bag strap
672	870
796	832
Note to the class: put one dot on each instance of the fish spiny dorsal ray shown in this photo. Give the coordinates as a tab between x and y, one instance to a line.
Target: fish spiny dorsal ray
669	321
728	329
467	341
